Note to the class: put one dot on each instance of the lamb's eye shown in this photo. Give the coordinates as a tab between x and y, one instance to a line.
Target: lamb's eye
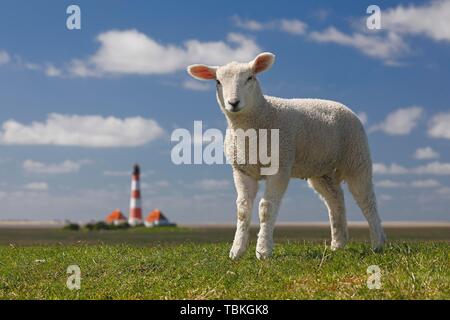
250	78
218	82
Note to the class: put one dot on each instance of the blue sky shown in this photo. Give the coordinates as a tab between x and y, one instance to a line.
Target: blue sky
79	107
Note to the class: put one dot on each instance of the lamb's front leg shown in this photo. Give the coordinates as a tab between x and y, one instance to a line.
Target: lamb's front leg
268	210
246	188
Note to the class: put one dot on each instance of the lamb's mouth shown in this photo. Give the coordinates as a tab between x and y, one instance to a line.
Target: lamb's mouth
234	109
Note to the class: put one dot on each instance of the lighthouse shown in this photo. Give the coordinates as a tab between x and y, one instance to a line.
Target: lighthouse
135	217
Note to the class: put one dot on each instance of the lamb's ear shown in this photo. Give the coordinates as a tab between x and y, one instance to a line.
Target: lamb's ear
262	62
202	72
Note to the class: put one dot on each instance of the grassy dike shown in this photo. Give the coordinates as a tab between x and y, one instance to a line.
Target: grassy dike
298	270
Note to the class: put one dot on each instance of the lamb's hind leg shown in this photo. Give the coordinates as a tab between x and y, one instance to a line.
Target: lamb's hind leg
361	187
329	189
246	188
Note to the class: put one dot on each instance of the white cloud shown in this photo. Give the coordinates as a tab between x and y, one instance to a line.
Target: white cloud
429	183
21	63
83	69
444	191
52	71
439	126
392	169
37	186
425	153
38	205
68	166
124	173
400	122
363	117
212	184
161	183
83	131
386	47
249	24
109	173
431	20
419	184
292	26
432	168
195	85
157	187
30	65
385	197
4	57
390	184
133	52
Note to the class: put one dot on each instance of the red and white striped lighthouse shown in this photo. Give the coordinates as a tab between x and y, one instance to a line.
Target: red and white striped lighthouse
135	217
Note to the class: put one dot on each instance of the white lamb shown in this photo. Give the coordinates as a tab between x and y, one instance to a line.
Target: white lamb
320	140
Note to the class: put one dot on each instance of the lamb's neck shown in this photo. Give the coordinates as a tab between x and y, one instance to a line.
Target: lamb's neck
254	116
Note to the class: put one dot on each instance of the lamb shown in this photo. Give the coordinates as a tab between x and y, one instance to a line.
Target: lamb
320	140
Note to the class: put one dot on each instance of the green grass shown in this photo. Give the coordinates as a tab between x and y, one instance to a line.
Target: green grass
298	270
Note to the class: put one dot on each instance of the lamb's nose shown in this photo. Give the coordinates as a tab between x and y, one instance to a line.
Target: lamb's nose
234	103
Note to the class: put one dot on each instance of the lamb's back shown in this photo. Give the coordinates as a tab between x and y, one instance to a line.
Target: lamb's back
325	133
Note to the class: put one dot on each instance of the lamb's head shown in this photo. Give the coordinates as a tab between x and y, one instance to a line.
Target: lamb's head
237	87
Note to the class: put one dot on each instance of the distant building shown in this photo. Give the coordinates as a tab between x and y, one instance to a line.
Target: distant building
116	218
156	218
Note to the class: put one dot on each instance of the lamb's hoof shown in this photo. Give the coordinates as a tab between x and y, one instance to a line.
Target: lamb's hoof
337	245
378	249
263	255
264	248
236	252
378	246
